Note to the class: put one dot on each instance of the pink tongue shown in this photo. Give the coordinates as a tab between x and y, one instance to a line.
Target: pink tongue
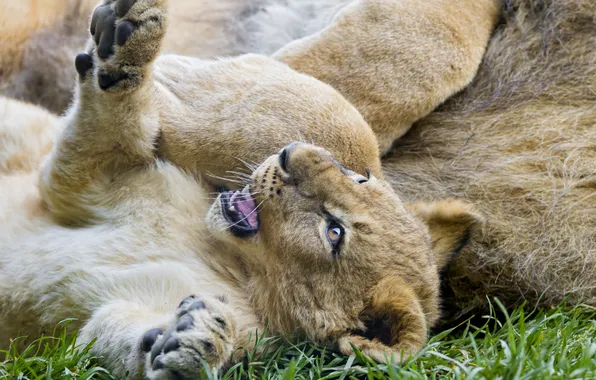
247	206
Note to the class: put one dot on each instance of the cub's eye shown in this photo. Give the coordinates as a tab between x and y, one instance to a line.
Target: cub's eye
335	234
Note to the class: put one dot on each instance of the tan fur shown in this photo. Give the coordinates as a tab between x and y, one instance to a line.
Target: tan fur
24	144
517	143
128	228
428	53
520	144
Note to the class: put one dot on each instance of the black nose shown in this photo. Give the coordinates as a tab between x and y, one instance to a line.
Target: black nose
284	156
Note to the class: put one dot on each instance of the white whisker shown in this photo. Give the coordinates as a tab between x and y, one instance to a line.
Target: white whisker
240	181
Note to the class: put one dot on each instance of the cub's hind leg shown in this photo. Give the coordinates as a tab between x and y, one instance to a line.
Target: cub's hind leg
397	60
114	122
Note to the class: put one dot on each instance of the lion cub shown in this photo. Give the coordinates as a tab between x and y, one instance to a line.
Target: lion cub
167	277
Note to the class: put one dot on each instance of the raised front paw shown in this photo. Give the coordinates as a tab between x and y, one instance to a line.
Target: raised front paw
202	334
126	38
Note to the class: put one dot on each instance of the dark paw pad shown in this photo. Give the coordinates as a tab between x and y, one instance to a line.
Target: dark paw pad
190	303
171	345
188	300
123	32
199	336
123	6
158	364
220	321
197	305
150	338
83	63
107	80
158	346
103	27
184	323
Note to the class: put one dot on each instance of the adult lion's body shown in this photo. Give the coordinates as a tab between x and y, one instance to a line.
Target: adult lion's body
520	143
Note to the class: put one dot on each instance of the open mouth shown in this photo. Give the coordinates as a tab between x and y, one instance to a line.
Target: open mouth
239	208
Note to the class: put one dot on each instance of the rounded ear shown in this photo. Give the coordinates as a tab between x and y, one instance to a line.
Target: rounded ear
395	324
451	223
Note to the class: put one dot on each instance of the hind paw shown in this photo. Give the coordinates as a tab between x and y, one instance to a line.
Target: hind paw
202	335
126	38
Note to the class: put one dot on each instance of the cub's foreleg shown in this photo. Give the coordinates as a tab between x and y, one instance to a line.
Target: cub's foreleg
114	123
397	60
135	339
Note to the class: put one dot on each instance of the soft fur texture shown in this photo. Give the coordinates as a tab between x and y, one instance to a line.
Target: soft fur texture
119	226
518	143
425	53
23	144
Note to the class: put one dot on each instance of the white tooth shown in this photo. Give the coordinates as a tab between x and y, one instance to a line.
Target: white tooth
232	208
233	197
246	189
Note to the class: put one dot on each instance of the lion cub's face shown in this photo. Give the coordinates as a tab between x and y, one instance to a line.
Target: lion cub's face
333	254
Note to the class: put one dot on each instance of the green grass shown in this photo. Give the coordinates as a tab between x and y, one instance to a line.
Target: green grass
559	343
51	357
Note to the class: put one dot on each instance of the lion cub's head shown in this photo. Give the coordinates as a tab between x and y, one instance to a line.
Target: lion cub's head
336	256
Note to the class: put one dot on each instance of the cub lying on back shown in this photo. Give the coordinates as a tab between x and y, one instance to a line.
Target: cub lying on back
123	233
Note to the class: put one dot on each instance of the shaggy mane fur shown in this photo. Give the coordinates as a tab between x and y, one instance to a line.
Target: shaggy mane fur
520	143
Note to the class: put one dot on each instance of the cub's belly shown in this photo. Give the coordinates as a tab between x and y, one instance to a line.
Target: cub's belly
49	273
